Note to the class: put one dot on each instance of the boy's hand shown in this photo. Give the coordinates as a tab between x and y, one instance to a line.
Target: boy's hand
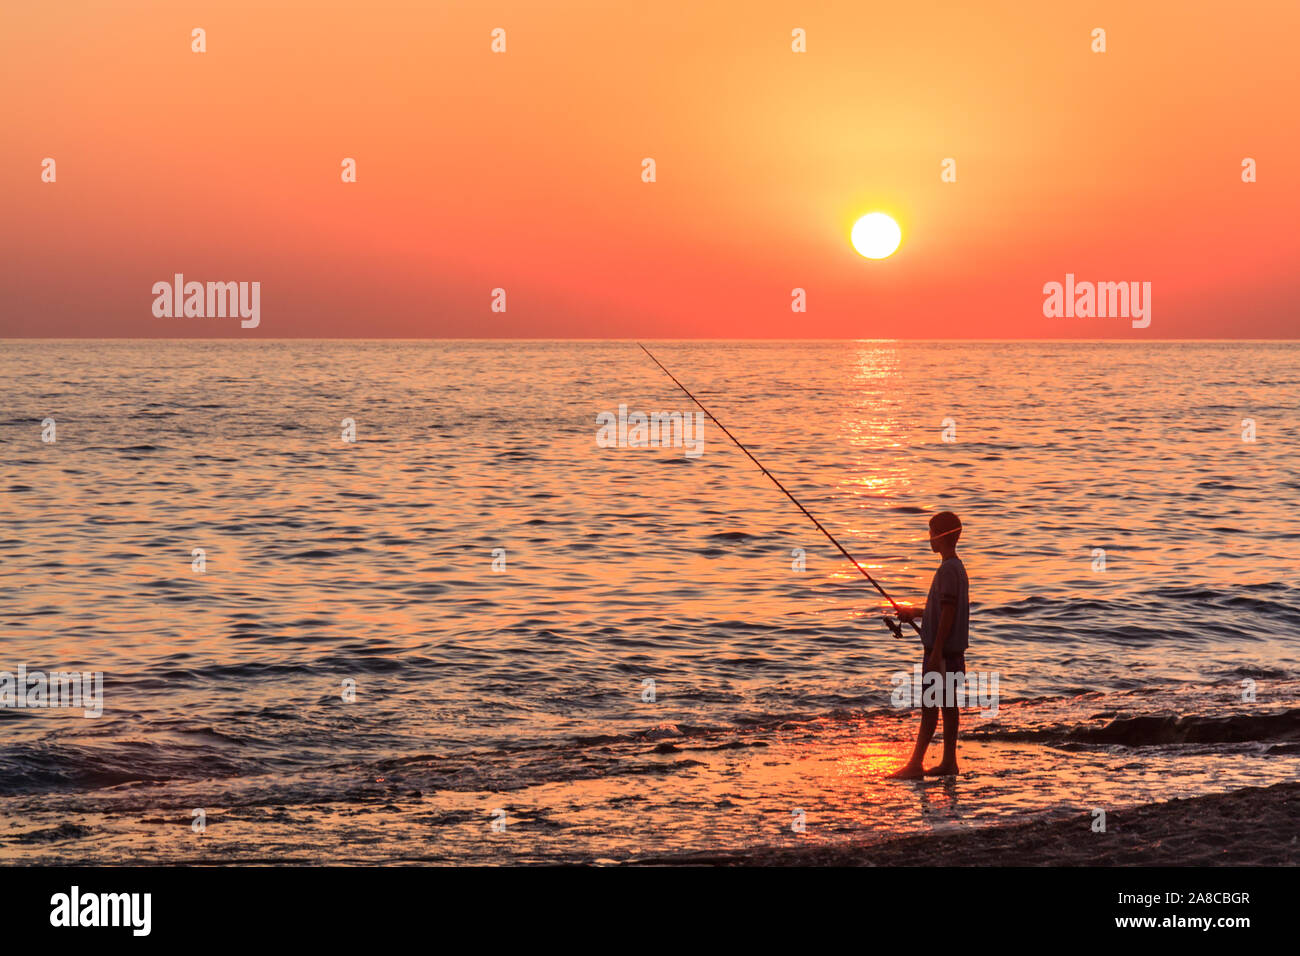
908	614
934	660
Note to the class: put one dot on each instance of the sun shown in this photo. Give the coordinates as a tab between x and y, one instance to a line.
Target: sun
876	236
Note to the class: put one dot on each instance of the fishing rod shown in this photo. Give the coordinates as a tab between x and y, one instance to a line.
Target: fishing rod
889	622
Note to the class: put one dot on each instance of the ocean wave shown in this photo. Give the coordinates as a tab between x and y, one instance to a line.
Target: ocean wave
1160	729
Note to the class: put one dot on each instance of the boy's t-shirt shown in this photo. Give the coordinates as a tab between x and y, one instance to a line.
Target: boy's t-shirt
949	586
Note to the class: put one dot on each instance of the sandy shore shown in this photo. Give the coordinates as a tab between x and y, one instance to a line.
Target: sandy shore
1256	826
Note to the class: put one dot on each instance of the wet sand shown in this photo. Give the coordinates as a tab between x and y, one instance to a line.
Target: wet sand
1255	826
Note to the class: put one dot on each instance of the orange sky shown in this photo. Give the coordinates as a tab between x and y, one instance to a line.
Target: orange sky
522	170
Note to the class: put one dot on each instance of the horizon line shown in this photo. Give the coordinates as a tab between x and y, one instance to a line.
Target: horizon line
569	338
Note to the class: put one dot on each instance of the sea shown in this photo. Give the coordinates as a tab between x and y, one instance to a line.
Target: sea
373	602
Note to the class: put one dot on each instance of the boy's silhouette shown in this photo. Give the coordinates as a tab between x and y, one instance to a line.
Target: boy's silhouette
945	625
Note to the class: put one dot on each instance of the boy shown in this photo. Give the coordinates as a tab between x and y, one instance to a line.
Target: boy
945	623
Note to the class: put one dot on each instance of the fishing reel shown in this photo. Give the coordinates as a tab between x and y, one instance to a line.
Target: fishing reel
894	625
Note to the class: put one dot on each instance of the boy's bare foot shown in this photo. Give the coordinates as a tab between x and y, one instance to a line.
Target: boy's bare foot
911	771
942	770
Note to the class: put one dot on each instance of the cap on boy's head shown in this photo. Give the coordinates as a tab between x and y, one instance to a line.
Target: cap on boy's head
945	525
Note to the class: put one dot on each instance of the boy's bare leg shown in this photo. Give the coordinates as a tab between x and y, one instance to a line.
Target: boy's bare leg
948	766
913	769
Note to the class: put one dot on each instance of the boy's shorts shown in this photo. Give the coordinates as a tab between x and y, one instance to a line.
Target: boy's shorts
951	662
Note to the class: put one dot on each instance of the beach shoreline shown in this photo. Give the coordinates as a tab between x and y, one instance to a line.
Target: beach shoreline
1252	826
